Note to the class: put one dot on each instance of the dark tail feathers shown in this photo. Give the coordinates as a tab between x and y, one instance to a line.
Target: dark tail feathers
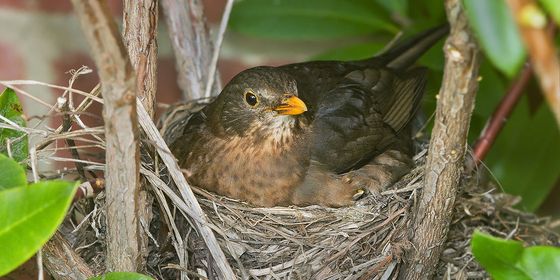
404	53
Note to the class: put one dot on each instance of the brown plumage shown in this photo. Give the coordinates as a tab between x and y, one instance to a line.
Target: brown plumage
308	133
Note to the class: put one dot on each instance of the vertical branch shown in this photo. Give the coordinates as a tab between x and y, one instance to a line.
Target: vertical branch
447	147
140	31
191	45
121	133
62	262
215	55
541	50
140	20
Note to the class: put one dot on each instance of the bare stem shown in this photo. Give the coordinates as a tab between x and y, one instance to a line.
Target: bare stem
191	45
447	148
217	47
121	133
501	114
541	51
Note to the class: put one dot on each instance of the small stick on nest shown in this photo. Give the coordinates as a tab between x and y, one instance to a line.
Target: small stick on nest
366	241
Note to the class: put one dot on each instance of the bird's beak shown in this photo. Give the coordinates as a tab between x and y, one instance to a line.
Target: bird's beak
291	105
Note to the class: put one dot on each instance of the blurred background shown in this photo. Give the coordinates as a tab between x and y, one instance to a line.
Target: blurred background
42	40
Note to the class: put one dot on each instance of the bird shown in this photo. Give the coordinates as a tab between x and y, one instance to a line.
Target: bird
310	133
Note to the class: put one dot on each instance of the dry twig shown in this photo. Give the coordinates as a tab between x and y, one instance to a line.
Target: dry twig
541	50
447	147
191	45
140	20
121	134
500	115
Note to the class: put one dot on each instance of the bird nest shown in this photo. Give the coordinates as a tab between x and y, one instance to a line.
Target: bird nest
366	241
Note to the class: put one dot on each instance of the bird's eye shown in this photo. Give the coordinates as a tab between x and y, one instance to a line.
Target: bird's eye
251	99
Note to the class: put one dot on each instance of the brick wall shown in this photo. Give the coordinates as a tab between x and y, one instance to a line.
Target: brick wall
42	40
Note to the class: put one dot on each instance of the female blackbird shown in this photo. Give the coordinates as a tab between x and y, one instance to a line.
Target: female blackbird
318	132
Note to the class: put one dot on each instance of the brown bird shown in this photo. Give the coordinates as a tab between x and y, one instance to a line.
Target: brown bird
317	132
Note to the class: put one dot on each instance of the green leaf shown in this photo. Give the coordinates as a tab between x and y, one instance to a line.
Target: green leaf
29	216
553	8
525	156
506	259
11	173
122	276
310	19
541	262
353	52
10	108
498	256
399	7
497	32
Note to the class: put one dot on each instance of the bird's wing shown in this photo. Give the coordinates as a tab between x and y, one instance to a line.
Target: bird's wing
362	114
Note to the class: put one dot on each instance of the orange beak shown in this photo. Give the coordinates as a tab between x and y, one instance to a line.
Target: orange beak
291	105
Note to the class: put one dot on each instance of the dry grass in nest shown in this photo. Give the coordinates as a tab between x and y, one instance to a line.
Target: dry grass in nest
367	241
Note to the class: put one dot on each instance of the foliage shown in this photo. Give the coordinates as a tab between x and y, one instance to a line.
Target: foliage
122	276
507	259
530	136
11	173
496	30
10	108
313	19
29	214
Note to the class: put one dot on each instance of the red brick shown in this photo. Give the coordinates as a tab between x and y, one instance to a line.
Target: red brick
12	65
167	89
229	68
55	6
14	4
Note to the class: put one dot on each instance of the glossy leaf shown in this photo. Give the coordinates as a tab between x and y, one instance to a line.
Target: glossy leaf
399	7
553	8
497	32
525	155
10	108
122	276
29	216
541	262
498	256
353	52
11	173
310	19
506	259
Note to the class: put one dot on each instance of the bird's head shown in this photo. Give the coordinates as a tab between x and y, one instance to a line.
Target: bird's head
261	100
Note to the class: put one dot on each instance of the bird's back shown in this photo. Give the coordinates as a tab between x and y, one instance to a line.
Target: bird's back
359	108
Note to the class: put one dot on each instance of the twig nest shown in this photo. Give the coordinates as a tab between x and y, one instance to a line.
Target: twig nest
366	241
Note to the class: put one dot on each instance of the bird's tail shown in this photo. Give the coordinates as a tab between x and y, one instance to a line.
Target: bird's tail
404	53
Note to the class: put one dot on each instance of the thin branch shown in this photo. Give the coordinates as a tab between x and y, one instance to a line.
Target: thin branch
501	114
217	47
447	148
532	24
191	45
140	20
62	262
140	31
13	83
121	134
